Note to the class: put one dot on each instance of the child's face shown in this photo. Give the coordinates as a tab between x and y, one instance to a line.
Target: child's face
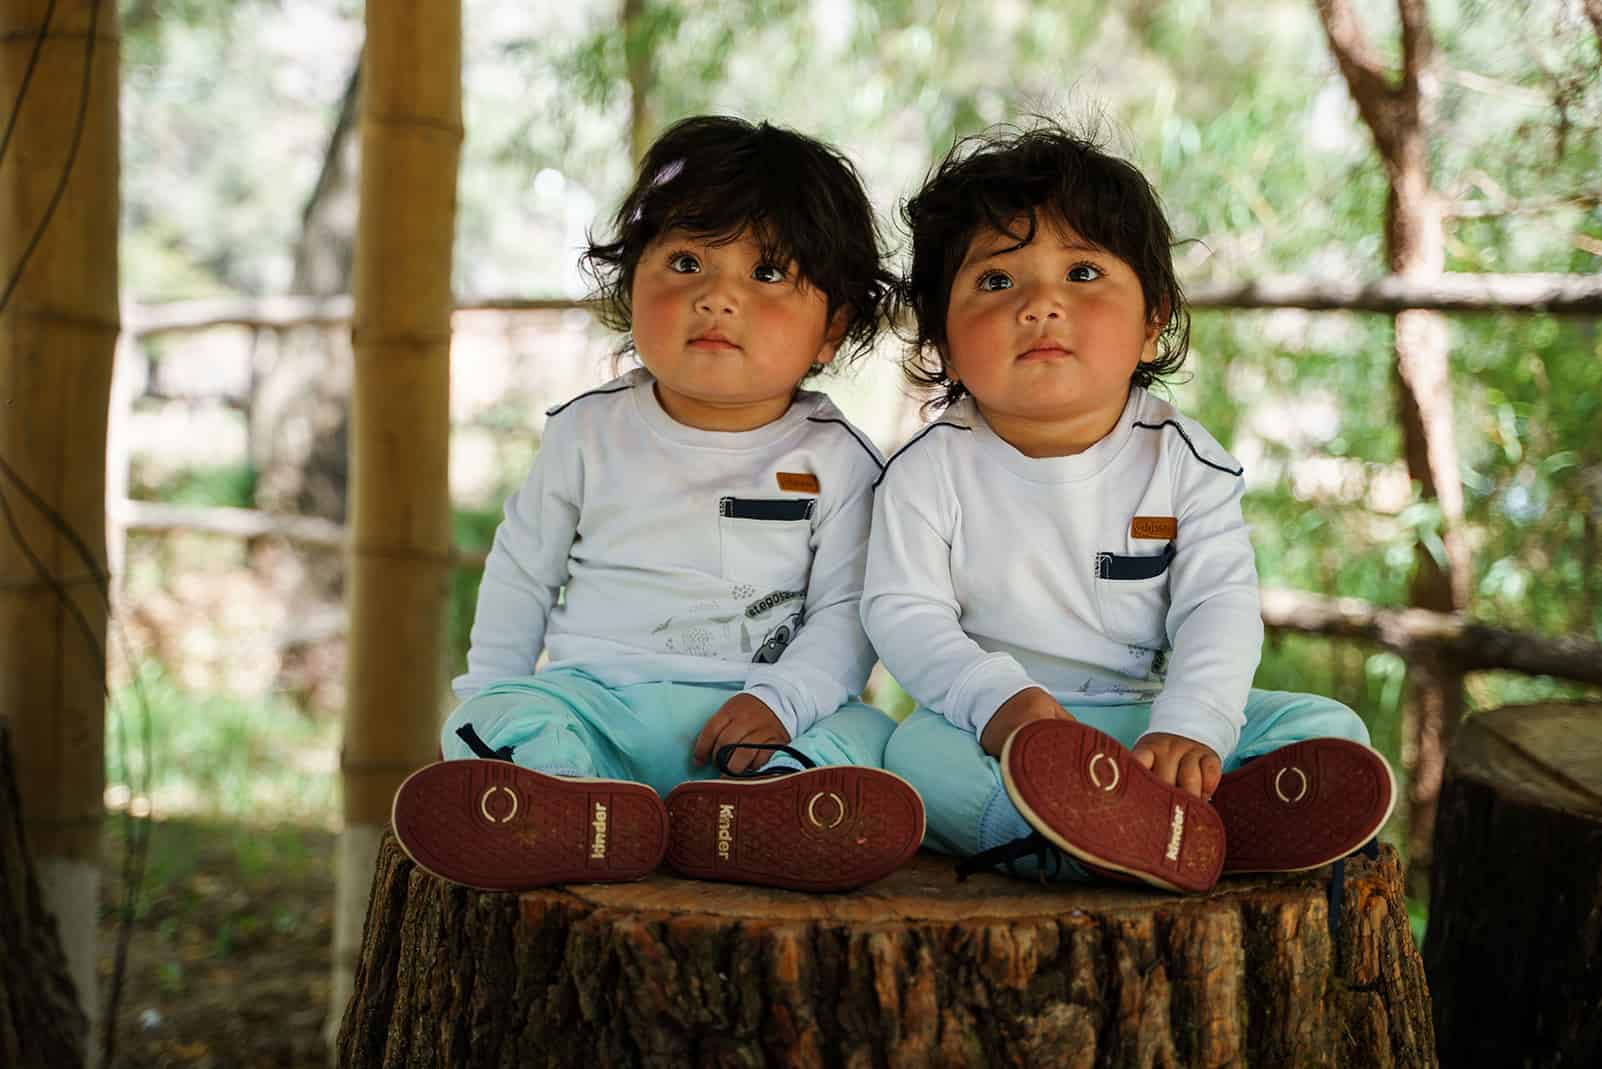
1046	337
727	334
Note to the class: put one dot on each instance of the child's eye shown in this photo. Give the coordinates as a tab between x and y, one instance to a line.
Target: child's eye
1084	273
683	263
767	273
992	281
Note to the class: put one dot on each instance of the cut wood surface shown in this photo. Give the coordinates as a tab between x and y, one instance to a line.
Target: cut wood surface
1514	948
916	970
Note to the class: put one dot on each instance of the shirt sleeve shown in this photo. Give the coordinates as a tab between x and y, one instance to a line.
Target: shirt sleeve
911	611
526	567
1215	619
828	662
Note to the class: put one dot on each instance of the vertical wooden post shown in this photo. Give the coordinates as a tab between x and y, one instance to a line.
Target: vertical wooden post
411	133
58	334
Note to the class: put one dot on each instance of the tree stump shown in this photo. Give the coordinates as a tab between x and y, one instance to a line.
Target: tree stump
916	970
1514	949
41	1024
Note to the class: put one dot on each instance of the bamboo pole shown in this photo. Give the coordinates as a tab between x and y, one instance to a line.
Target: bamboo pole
411	133
58	333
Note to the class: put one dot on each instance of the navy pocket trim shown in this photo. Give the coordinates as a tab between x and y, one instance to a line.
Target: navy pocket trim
1149	566
762	508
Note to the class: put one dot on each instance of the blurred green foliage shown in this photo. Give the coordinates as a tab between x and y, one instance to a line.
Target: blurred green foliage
1237	114
248	759
228	485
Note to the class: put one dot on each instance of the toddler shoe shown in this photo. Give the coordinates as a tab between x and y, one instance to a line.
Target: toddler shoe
815	829
1303	806
492	825
1086	794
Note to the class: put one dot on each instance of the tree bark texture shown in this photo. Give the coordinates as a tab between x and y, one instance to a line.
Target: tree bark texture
1514	948
41	1024
916	971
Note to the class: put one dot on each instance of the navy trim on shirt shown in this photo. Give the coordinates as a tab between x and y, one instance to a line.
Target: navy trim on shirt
873	454
590	393
915	440
1191	444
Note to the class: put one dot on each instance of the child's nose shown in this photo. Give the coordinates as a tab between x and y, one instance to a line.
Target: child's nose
716	298
1040	303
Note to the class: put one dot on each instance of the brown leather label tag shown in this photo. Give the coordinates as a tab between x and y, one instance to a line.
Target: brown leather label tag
798	482
1154	527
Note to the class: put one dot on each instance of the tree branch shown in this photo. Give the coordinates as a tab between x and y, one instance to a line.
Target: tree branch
1366	77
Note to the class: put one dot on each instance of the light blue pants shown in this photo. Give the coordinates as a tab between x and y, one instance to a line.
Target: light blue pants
567	723
968	808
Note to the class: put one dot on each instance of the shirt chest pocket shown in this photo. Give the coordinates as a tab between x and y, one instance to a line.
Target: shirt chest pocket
766	541
1132	596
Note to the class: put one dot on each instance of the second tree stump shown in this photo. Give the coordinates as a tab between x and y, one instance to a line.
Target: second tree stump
916	970
1515	939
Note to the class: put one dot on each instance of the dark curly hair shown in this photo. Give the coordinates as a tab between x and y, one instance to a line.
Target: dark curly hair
720	177
991	179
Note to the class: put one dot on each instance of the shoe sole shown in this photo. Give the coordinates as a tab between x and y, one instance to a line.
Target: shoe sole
1304	806
824	829
498	827
1085	792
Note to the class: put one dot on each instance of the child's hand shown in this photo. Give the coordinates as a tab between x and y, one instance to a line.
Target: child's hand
742	718
1185	763
1015	712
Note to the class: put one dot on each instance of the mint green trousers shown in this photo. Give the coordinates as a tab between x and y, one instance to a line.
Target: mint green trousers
565	722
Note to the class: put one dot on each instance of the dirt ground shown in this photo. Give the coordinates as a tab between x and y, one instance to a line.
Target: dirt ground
227	964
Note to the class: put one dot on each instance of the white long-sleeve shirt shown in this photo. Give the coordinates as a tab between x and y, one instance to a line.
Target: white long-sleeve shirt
685	555
1121	573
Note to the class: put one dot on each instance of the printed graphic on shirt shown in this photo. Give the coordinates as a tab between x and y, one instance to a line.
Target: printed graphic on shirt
747	625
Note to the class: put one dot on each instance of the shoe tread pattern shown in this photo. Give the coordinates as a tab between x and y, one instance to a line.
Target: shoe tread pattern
773	843
1349	795
439	821
1047	769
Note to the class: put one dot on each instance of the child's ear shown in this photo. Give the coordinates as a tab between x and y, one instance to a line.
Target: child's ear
945	365
839	325
1154	329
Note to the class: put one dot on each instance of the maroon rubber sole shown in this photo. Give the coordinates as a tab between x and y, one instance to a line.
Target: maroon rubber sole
498	827
824	829
1303	806
1084	791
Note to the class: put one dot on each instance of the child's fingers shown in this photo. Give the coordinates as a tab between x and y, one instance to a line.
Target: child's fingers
1145	755
1212	772
1166	766
1190	773
706	741
744	759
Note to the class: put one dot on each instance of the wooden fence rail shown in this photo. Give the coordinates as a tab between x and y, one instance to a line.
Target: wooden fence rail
1552	294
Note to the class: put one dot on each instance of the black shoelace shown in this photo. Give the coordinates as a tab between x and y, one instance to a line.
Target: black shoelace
1337	886
478	746
1034	845
726	752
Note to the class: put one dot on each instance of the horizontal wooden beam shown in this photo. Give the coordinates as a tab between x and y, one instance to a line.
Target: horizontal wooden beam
1550	294
1412	633
1420	633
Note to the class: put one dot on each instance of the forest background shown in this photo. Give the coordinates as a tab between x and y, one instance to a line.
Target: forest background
238	182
